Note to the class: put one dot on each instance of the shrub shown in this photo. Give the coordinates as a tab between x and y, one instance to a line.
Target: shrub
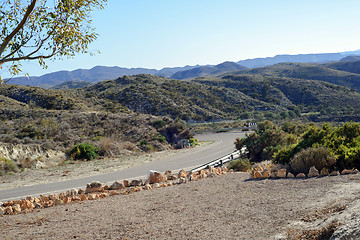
6	165
319	157
194	142
84	151
242	164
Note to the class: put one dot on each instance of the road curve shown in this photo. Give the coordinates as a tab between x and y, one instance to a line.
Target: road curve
223	144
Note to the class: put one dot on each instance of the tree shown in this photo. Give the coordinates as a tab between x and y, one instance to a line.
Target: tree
44	29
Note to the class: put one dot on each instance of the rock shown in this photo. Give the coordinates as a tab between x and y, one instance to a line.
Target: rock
182	174
113	193
31	199
212	169
258	175
169	176
26	204
194	177
147	187
80	191
44	198
290	175
53	197
104	195
94	187
47	204
16	209
92	196
117	185
231	170
204	175
156	177
2	211
324	172
83	197
156	185
346	171
355	171
266	173
136	183
58	202
38	205
76	199
301	175
313	172
8	210
106	187
281	173
182	180
8	203
335	173
273	174
126	183
67	200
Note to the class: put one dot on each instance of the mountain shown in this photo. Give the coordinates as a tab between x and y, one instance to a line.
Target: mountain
350	58
208	70
309	72
93	75
71	85
348	66
300	58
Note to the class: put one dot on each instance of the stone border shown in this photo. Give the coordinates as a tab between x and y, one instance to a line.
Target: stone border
96	190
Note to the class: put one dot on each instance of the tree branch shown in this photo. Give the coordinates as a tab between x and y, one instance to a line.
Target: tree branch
18	27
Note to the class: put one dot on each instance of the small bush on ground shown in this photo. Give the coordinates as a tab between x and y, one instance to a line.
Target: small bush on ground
319	157
242	164
6	165
84	151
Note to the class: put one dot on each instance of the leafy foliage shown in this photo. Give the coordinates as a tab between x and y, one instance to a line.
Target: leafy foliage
84	151
6	165
41	29
242	164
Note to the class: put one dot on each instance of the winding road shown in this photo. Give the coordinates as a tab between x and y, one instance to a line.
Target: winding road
223	144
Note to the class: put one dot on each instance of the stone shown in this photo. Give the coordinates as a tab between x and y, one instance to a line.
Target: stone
104	195
355	171
2	211
346	171
169	176
47	204
26	204
281	173
76	199
113	193
182	174
117	185
80	191
225	169
194	177
156	177
136	183
83	197
212	169
8	210
273	174
16	208
58	202
301	175
156	185
8	203
313	172
106	187
335	173
231	171
44	198
182	180
147	187
257	175
53	197
324	172
31	199
92	196
126	183
67	200
266	173
73	192
94	187
290	175
38	205
204	175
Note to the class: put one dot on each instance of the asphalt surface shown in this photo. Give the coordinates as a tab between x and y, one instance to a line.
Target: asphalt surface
223	145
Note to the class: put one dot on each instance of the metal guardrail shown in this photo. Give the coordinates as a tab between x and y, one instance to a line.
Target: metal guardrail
220	161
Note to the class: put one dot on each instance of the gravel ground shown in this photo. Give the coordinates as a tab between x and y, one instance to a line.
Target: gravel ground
224	207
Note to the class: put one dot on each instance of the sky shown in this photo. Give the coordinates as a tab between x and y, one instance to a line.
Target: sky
174	33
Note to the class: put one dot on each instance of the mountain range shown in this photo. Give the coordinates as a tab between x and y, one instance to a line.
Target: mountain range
101	73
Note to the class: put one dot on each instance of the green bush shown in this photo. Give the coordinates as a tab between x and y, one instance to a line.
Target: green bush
319	157
242	165
194	142
6	165
84	151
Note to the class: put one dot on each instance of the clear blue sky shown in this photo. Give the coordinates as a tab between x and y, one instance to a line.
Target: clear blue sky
169	33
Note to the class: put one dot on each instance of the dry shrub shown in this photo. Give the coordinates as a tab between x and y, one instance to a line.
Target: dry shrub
128	146
27	162
242	165
6	165
319	157
313	234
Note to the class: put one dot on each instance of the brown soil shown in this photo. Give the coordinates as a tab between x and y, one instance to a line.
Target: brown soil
223	207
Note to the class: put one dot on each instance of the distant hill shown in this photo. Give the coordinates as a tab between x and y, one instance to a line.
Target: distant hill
348	66
309	72
72	85
300	58
93	75
350	58
206	70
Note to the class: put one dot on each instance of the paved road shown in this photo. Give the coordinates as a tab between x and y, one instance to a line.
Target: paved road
224	144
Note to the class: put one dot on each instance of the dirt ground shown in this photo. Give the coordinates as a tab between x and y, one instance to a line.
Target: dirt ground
224	207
